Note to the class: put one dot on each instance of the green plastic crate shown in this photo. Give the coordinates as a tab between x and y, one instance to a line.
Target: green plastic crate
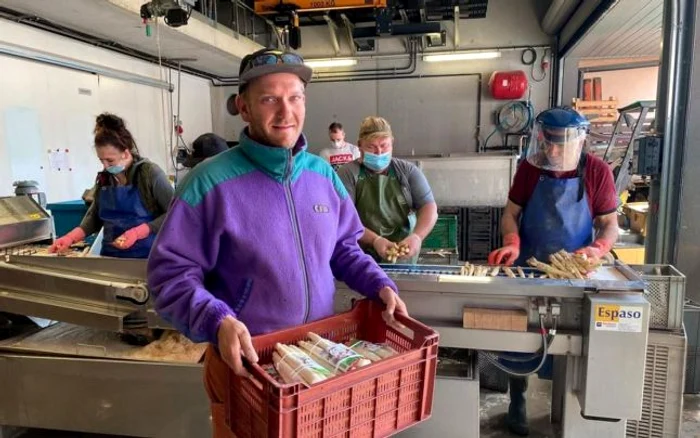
444	234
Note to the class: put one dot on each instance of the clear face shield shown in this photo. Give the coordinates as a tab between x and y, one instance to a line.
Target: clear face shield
556	149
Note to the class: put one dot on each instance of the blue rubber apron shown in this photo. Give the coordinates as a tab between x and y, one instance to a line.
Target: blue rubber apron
121	208
556	217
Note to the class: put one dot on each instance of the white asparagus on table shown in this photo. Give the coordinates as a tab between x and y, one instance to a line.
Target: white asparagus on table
495	271
571	260
565	264
586	263
571	264
556	262
509	272
521	273
550	270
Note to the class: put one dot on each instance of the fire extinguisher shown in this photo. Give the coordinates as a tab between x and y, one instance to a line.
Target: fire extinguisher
508	85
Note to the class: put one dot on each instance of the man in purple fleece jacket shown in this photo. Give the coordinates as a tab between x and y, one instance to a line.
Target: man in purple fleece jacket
256	235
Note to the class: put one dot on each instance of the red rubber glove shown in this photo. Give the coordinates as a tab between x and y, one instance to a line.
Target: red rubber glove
130	236
63	244
508	253
597	250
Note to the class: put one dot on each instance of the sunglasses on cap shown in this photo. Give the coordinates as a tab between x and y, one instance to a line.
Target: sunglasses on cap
271	58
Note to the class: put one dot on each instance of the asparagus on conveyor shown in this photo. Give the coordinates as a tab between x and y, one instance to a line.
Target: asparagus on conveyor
562	265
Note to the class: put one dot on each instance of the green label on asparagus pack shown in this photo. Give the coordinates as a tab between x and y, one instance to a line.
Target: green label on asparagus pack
312	364
342	357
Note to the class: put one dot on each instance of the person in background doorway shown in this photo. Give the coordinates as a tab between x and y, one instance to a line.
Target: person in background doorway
562	198
131	196
392	196
340	152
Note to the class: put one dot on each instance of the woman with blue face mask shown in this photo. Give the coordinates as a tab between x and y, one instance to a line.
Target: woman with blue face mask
392	196
132	196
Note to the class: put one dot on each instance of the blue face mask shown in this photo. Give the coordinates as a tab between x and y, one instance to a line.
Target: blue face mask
116	169
377	162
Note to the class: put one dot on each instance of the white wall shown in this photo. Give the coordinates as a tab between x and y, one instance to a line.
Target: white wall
44	108
628	86
429	115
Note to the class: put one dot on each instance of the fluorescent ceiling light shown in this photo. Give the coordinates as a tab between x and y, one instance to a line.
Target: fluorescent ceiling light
325	63
464	56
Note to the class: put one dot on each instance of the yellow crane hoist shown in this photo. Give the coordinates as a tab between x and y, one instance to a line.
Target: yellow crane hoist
276	6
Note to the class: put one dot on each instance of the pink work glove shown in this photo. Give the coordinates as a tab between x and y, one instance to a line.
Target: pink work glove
597	250
508	253
62	244
130	236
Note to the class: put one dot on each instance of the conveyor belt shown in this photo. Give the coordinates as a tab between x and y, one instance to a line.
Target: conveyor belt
420	269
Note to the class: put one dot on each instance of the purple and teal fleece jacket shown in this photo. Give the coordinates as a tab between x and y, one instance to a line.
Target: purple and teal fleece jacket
259	233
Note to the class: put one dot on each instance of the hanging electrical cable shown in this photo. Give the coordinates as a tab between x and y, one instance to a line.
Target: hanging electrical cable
529	57
514	117
171	149
161	77
494	359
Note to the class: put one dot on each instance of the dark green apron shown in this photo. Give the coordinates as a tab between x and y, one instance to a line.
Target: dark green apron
383	208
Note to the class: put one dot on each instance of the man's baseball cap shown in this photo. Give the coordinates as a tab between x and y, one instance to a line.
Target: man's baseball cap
269	61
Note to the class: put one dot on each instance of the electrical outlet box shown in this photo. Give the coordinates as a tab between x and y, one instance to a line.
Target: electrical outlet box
648	155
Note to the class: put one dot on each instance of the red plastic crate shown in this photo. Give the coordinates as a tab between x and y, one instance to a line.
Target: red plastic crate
374	401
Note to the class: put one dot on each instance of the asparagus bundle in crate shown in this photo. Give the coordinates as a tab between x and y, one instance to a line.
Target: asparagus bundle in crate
337	357
295	366
317	359
373	352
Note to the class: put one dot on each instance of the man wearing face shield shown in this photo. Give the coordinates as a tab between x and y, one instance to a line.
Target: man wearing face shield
340	152
561	198
392	196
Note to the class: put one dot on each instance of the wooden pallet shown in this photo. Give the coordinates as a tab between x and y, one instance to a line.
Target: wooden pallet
603	115
597	111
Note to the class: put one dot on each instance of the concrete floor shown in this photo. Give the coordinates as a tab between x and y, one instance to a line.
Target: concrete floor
494	406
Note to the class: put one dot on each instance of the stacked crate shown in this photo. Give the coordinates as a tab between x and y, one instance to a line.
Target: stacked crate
479	232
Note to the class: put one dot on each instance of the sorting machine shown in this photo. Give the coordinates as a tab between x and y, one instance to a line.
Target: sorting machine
63	364
596	330
67	368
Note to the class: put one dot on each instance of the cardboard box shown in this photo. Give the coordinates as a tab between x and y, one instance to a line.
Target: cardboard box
637	214
495	319
630	255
